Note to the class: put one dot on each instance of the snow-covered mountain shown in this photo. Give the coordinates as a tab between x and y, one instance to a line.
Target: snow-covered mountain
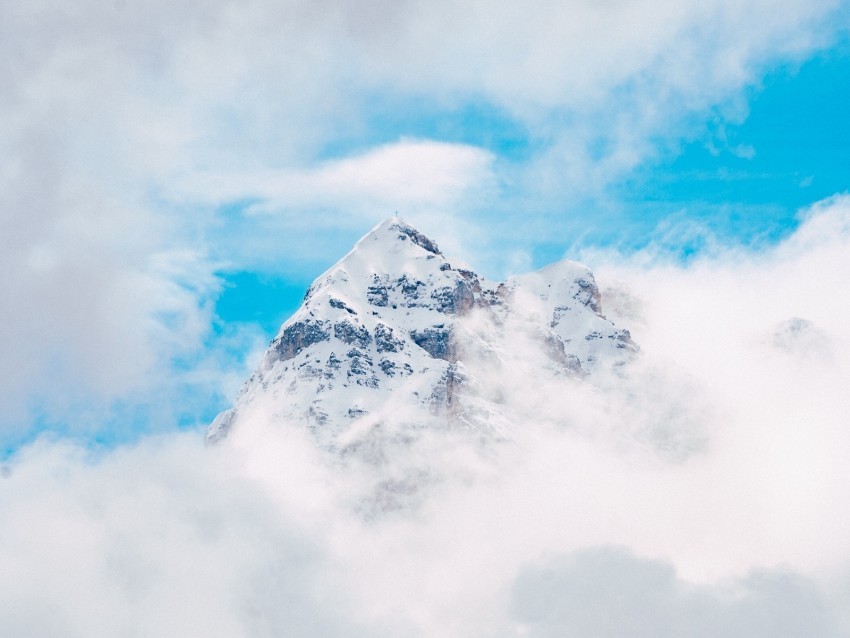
397	339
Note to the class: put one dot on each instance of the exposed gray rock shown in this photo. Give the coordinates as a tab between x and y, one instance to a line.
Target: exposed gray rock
444	398
554	349
352	334
377	294
416	237
624	340
297	337
359	362
332	366
437	342
388	367
336	303
587	293
385	341
457	300
558	314
410	289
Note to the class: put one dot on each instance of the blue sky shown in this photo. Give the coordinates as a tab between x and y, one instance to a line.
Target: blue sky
749	179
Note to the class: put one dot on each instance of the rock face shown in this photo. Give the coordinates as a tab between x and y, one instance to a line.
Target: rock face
397	339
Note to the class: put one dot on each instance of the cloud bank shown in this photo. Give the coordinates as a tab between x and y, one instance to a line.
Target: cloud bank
704	493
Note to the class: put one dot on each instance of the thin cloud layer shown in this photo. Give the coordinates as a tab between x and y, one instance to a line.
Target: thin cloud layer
585	523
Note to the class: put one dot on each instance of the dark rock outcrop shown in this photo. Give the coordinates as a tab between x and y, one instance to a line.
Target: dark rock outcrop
457	300
352	334
587	293
437	342
297	337
416	237
341	305
385	341
377	294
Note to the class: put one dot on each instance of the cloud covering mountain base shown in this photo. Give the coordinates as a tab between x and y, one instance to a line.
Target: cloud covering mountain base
705	494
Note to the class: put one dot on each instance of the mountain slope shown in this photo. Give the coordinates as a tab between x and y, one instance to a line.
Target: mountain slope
395	339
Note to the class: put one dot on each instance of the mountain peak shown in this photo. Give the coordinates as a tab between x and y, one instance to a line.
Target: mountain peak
394	340
396	229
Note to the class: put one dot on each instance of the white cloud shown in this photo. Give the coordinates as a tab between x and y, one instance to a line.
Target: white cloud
95	300
778	436
163	538
607	592
435	183
744	533
411	173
